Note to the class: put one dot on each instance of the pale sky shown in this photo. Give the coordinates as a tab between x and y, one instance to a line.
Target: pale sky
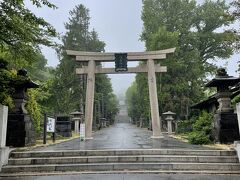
119	25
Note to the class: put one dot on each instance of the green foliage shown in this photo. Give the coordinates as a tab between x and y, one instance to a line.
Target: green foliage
198	137
136	102
68	89
105	98
236	100
185	126
6	78
21	35
202	129
34	109
194	30
22	32
163	39
67	85
132	99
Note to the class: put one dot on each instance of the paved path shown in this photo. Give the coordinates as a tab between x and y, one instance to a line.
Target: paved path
122	136
128	177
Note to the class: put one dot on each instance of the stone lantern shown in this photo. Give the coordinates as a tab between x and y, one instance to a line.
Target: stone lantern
20	129
169	118
225	120
77	118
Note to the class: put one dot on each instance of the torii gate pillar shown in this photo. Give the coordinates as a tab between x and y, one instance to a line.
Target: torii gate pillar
156	124
89	99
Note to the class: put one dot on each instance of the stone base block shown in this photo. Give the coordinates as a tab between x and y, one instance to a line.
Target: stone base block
225	127
4	155
157	137
20	131
63	126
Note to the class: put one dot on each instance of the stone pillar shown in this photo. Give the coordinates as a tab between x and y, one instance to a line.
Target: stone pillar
169	125
153	100
76	125
224	101
90	99
4	151
3	125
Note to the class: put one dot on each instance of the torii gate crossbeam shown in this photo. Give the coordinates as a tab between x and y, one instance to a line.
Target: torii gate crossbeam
150	68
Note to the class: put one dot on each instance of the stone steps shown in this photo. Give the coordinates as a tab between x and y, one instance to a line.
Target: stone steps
112	159
123	166
122	152
127	160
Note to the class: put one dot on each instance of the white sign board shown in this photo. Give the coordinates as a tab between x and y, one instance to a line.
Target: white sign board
238	114
82	131
50	125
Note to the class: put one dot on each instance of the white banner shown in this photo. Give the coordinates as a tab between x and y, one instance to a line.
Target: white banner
50	125
82	131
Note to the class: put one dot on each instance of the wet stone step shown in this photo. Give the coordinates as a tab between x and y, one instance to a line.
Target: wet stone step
122	152
105	159
123	166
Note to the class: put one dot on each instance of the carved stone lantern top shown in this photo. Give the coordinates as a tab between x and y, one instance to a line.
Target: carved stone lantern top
76	115
21	83
24	80
222	80
169	115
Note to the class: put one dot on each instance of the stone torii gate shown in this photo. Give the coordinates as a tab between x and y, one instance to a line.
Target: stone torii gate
92	69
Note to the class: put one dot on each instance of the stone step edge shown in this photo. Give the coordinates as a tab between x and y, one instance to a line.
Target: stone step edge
129	152
119	172
120	150
119	163
126	156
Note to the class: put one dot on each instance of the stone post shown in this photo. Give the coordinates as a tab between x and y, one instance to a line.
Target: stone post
156	124
3	125
4	151
76	123
238	116
169	124
90	99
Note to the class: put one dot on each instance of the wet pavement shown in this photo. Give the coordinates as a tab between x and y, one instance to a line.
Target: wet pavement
127	177
122	136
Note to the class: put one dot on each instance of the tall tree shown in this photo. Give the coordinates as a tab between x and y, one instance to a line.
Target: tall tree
195	30
69	89
22	31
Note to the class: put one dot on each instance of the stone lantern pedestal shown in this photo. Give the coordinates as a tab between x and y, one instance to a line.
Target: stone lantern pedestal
225	127
77	117
169	118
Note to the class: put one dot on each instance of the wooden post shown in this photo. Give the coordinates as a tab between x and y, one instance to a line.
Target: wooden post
45	129
90	99
156	125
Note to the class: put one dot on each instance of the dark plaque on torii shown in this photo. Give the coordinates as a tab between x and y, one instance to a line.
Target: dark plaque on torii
121	62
